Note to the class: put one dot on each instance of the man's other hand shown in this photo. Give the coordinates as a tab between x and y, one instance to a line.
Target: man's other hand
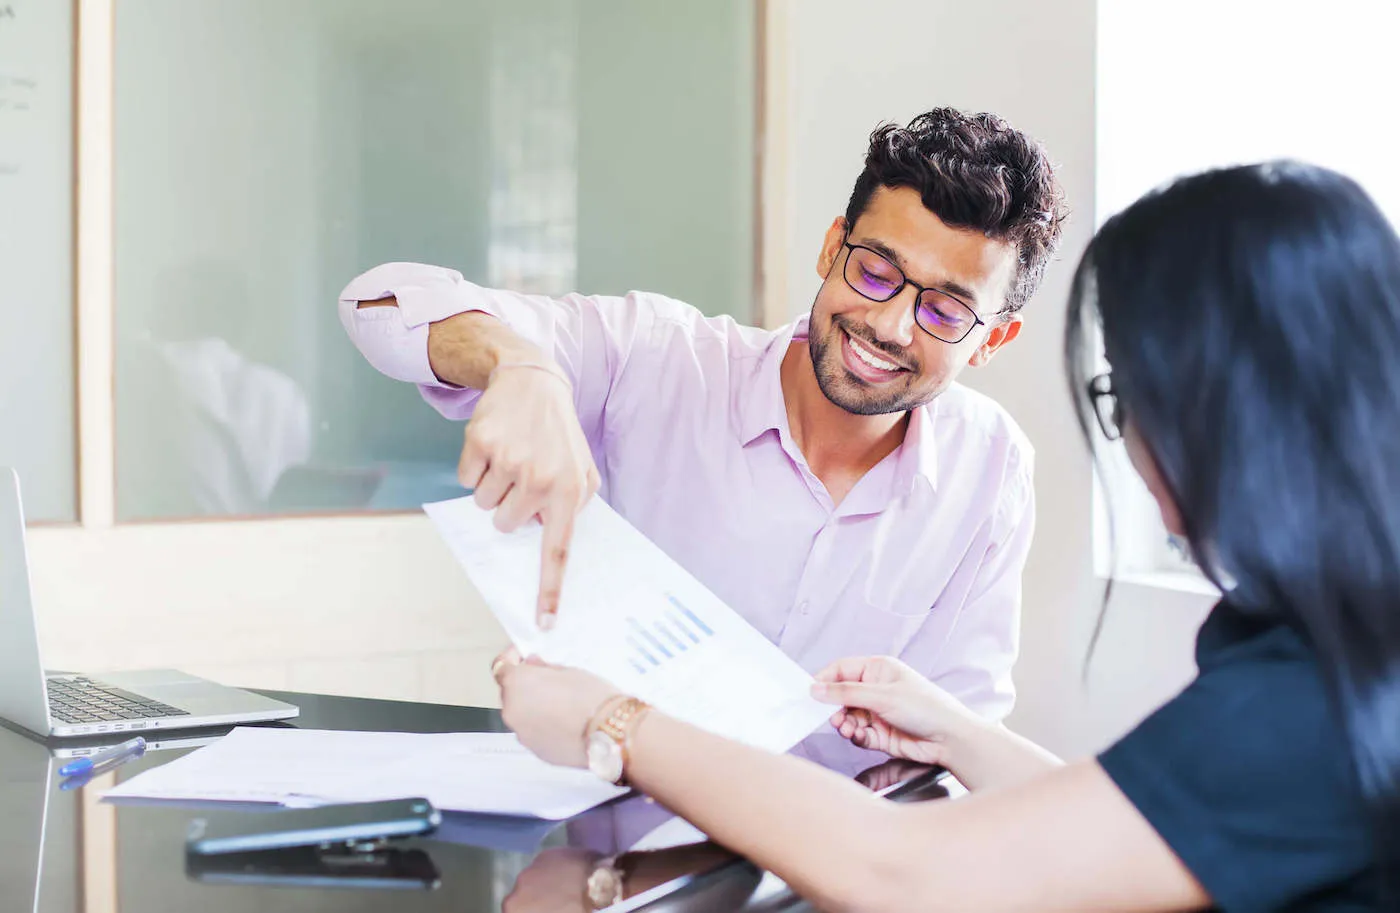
525	456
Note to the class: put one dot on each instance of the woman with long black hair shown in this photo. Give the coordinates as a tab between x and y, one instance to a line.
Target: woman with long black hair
1251	319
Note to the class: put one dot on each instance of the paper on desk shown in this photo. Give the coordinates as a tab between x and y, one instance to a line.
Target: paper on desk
633	616
471	771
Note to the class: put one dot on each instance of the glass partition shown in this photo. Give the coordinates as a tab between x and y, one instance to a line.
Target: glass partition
269	150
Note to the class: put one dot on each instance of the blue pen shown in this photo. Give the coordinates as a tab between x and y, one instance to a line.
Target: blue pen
127	749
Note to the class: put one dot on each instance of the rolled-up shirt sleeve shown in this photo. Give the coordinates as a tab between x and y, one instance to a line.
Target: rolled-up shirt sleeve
590	337
395	339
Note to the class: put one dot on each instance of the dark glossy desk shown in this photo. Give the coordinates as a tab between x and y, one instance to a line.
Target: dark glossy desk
65	851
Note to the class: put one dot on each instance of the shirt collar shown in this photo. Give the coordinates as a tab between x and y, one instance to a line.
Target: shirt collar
761	409
918	455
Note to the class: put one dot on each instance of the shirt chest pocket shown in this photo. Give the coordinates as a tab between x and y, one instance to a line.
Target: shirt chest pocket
903	597
880	631
902	575
905	587
890	613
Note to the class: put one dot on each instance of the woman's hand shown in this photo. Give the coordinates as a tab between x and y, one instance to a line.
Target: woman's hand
887	706
549	707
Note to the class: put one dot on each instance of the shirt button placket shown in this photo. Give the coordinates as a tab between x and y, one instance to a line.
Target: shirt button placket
802	609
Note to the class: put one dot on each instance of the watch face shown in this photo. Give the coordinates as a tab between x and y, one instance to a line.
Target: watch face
604	757
605	888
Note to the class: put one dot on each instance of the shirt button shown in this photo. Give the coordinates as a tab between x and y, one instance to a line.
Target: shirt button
802	607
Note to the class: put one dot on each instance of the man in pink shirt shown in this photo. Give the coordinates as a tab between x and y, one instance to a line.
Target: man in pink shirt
827	479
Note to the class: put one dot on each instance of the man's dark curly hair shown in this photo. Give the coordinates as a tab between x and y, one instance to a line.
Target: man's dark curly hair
972	171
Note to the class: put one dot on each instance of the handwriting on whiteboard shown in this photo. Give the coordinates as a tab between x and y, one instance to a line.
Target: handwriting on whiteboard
17	93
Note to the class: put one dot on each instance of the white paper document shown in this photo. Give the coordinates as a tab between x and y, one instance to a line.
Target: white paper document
471	771
633	616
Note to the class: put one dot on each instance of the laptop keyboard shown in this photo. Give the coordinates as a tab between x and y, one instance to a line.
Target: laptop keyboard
81	700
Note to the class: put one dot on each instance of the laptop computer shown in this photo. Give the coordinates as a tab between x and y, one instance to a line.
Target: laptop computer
69	705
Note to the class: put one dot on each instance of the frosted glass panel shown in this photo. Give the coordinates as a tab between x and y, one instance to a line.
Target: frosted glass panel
37	402
268	150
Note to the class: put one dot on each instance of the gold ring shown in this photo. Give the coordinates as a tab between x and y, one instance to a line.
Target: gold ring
497	665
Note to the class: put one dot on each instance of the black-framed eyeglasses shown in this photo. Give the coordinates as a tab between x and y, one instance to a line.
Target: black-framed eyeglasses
1106	406
939	314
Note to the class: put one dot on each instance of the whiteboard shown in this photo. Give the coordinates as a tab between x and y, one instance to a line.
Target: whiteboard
37	383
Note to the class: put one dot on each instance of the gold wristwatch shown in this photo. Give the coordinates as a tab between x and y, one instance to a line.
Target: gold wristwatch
608	738
607	885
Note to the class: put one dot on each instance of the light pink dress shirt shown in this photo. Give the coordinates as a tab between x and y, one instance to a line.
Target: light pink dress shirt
685	417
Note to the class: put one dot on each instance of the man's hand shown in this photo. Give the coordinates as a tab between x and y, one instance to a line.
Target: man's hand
525	456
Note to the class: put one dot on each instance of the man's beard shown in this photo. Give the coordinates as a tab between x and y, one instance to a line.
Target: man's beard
848	392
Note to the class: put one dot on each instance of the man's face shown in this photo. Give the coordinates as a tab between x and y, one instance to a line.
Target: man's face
872	357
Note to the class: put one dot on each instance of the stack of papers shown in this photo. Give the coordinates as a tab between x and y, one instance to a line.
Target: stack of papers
633	616
628	613
472	771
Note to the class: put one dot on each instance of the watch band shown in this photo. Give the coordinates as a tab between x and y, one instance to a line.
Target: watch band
617	724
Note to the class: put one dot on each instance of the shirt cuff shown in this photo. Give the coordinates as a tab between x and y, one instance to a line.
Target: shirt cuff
395	339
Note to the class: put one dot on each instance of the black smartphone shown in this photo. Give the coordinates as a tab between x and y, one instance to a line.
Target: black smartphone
357	824
390	869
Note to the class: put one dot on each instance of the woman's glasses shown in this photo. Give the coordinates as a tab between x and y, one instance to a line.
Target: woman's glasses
1106	406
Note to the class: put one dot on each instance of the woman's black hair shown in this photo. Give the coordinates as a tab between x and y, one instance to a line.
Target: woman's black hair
1251	317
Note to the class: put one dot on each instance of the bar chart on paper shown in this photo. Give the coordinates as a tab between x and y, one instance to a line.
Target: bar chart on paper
633	616
673	630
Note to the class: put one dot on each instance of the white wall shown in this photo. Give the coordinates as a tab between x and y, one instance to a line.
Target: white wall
1318	87
371	606
376	606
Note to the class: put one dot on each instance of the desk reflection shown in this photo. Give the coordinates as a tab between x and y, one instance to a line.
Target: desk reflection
67	851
